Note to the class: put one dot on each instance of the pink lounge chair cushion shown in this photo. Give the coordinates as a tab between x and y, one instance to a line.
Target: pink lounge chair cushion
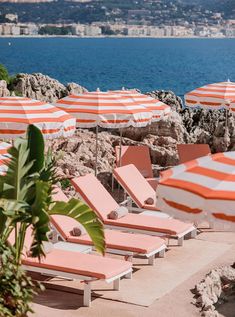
189	152
151	223
95	195
81	264
114	239
135	184
137	243
119	212
59	195
137	155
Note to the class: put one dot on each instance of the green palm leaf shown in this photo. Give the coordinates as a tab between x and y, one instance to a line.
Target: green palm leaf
79	211
40	218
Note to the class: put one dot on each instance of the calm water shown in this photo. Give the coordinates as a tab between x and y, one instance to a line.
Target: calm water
147	64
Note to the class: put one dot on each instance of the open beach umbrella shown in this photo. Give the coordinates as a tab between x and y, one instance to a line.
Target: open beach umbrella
16	113
4	156
212	96
105	109
158	108
201	189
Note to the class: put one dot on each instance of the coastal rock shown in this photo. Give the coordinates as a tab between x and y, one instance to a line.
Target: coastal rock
42	87
169	98
4	92
73	88
216	288
170	126
207	126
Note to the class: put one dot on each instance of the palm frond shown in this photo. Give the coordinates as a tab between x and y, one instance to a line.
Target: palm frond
79	211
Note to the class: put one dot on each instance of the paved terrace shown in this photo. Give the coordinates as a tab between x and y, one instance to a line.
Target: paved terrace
162	290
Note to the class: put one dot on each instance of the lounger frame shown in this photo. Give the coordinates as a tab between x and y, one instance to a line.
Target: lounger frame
86	279
192	232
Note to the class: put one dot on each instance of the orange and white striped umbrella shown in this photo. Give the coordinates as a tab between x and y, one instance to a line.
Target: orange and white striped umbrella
4	156
199	189
213	96
158	108
16	113
232	107
105	109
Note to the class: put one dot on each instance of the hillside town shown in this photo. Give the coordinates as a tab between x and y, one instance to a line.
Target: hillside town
99	18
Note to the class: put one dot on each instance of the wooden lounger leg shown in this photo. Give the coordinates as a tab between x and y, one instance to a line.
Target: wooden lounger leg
116	284
180	241
151	260
87	294
161	254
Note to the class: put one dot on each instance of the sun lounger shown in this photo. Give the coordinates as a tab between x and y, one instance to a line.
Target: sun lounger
188	152
138	190
79	266
140	157
98	198
117	242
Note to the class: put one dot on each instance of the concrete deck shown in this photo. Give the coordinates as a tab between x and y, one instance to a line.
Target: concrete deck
159	291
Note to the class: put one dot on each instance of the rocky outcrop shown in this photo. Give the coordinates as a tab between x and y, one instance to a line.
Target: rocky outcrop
216	288
73	88
41	87
3	89
207	126
169	98
76	156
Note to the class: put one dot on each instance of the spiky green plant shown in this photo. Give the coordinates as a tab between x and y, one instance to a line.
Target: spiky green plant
26	198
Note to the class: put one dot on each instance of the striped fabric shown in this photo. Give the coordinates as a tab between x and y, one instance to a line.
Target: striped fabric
105	109
16	113
158	108
201	188
4	156
213	96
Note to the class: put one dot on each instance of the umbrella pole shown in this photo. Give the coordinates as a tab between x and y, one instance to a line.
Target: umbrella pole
120	149
96	150
120	158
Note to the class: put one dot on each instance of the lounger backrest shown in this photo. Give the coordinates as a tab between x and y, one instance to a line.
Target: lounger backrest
137	155
94	195
63	224
134	184
189	152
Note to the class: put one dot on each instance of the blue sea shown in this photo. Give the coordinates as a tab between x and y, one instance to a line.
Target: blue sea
111	63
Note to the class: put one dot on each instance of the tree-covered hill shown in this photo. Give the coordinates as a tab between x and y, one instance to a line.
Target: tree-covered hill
131	11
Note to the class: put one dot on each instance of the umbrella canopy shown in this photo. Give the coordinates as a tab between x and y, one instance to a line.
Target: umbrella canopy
105	109
213	96
16	113
202	188
158	108
4	156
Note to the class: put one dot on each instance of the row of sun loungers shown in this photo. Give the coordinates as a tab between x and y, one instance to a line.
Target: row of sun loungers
131	234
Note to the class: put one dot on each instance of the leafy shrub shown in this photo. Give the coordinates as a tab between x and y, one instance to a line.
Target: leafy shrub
65	183
4	75
16	288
